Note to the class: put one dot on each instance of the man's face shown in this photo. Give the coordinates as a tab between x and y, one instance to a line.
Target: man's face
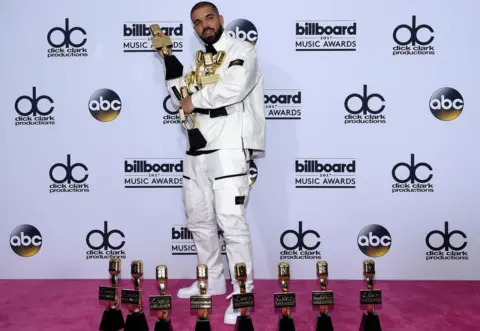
207	24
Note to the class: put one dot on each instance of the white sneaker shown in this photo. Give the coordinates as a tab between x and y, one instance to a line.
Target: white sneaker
215	287
231	314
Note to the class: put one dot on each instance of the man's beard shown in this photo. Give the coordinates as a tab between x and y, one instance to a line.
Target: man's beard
213	39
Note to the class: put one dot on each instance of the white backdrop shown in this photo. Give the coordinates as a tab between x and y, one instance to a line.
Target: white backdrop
353	202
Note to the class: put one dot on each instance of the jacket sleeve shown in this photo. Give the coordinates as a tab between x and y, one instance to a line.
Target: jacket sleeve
237	82
174	78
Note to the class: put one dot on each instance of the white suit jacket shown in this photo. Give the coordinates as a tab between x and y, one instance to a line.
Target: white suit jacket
230	113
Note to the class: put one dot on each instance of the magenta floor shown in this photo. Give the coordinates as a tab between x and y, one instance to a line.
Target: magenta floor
414	306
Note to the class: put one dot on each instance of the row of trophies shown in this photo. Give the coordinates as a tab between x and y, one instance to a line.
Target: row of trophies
113	320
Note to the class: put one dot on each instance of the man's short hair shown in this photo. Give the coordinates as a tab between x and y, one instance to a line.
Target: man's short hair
202	4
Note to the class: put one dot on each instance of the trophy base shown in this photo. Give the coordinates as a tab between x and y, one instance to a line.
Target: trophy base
370	322
244	323
112	320
163	325
203	325
324	323
196	139
286	324
136	322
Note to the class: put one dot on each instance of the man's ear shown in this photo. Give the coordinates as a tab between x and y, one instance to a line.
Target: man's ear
221	19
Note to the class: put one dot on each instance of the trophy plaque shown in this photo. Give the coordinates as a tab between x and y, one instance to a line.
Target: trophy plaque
323	298
202	302
112	319
136	320
285	299
243	301
370	297
161	303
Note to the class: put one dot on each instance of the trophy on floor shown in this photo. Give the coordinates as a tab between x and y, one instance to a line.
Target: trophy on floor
162	43
112	319
370	297
285	300
136	320
202	302
243	301
323	298
162	303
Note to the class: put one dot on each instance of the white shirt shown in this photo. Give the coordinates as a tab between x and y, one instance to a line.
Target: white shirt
240	90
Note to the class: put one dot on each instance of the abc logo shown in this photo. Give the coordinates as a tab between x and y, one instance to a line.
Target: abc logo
446	104
374	240
105	105
25	240
244	30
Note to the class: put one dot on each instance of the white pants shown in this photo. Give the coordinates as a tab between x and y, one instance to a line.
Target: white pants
215	191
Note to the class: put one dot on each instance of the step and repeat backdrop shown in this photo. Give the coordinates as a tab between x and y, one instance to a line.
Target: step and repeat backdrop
371	153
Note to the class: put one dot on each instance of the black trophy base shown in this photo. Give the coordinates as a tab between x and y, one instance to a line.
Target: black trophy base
112	320
136	322
163	325
370	322
324	323
203	325
286	324
244	323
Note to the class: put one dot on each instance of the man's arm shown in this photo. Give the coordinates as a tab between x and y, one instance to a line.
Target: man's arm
174	78
238	81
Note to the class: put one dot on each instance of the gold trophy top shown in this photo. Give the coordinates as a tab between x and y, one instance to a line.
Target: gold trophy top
220	57
322	269
199	57
202	272
136	269
284	271
240	271
155	29
368	268
161	273
114	266
208	59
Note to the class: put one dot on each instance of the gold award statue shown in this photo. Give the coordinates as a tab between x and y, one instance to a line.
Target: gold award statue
163	302
243	301
202	302
112	319
136	320
285	300
370	297
323	298
162	43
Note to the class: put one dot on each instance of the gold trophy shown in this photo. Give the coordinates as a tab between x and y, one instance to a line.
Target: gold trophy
160	43
323	298
243	300
162	303
285	300
370	297
112	319
136	320
202	302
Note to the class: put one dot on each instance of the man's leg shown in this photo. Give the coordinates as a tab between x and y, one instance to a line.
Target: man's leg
201	222
231	190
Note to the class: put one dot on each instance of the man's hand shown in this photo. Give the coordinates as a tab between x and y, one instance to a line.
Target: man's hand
160	52
186	105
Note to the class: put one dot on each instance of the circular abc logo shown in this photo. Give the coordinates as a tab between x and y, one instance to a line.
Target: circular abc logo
374	240
105	105
244	30
25	240
446	104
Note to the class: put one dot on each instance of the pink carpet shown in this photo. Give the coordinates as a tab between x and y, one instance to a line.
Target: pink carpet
49	305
